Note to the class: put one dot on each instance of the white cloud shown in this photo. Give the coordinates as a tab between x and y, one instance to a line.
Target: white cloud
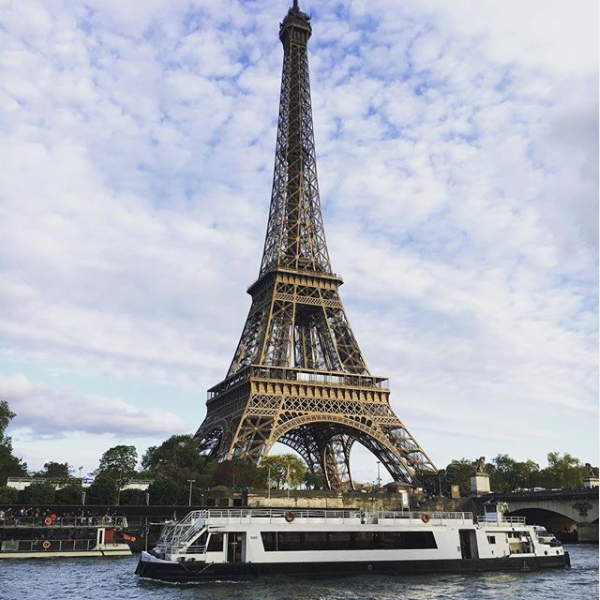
49	413
457	149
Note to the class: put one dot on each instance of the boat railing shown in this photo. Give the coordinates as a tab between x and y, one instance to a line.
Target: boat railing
70	521
178	533
500	521
49	546
434	517
269	515
185	528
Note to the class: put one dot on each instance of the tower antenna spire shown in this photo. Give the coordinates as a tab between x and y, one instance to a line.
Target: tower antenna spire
295	5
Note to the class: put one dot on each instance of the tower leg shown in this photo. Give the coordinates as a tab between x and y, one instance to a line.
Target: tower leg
337	462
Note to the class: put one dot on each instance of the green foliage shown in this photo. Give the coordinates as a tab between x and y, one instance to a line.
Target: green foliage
165	492
55	469
10	465
132	498
70	494
458	472
37	494
8	495
118	463
6	416
507	474
104	490
178	452
564	472
284	469
206	477
234	474
316	481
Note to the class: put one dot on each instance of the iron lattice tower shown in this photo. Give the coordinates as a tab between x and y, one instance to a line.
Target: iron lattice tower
298	376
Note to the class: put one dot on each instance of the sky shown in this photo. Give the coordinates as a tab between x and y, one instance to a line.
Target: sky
457	152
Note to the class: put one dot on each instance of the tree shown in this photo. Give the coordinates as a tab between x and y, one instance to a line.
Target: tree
118	463
178	452
132	498
314	481
564	472
458	472
10	465
104	490
38	494
283	468
507	474
8	495
164	492
236	473
177	458
69	494
55	469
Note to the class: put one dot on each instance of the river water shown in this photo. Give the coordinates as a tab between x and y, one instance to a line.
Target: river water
113	578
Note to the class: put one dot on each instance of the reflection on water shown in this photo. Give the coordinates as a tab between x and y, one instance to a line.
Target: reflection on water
107	579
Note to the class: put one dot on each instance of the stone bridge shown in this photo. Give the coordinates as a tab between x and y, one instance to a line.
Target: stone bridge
572	515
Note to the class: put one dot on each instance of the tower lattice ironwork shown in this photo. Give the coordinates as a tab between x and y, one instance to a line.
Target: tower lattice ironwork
298	376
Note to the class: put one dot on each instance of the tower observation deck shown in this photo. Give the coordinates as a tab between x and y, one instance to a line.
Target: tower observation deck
298	376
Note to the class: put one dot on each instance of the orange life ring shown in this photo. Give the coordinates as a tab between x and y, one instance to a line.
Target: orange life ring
289	516
425	517
47	521
46	545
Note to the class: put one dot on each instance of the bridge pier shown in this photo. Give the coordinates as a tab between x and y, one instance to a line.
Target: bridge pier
587	532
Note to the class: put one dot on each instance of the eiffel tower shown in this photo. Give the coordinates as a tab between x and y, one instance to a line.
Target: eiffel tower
298	376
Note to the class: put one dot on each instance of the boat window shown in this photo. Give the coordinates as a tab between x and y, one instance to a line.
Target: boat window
269	540
405	540
345	540
339	541
362	540
315	540
215	542
491	539
290	541
201	541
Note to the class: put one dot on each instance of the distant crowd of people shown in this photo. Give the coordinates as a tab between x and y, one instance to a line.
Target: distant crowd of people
37	516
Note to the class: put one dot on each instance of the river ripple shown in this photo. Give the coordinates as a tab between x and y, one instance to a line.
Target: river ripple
104	579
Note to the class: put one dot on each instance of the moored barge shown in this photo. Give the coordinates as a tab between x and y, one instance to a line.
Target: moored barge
55	536
245	543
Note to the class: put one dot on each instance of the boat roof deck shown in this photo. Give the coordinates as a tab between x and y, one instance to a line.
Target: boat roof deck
316	516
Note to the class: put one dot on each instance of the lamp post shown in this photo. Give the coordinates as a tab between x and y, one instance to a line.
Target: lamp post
378	476
191	482
269	482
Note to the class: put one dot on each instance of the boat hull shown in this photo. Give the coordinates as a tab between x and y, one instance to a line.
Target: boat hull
198	571
82	554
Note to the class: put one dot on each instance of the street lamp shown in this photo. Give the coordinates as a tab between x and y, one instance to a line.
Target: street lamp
191	482
378	476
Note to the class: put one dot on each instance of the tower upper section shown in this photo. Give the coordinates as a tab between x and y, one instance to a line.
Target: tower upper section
295	236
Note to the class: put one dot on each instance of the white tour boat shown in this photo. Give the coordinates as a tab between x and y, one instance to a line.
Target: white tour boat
244	543
53	537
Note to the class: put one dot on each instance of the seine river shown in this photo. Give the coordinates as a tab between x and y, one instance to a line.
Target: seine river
111	579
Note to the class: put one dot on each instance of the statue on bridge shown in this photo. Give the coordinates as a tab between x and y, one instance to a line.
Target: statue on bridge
479	465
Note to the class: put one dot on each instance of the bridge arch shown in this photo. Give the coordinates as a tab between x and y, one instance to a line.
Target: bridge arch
558	523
